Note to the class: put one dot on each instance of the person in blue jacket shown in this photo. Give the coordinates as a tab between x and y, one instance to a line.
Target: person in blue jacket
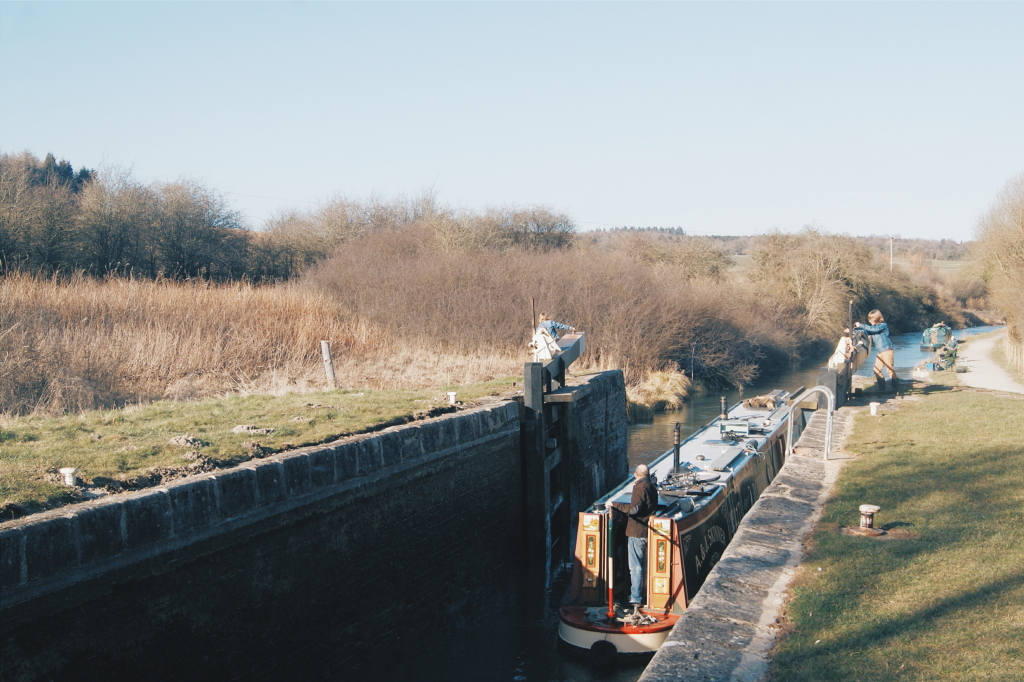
885	356
553	327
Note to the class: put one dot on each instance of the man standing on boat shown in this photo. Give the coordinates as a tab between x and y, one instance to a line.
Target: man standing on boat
641	505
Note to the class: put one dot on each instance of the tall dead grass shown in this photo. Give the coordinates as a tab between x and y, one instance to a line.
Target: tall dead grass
87	343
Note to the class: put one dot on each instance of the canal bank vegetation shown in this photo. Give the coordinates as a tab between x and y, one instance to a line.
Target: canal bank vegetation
940	596
1000	255
441	302
113	292
144	445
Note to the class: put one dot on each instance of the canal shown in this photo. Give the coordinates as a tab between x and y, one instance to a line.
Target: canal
488	624
540	659
647	441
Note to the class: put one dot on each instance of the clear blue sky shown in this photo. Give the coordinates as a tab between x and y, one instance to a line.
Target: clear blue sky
721	118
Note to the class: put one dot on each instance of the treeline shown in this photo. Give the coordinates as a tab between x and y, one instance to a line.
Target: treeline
55	220
300	239
1000	254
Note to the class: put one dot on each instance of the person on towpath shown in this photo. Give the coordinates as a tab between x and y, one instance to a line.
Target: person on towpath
884	359
552	327
641	505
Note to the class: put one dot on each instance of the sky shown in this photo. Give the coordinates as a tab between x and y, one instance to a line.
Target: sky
861	118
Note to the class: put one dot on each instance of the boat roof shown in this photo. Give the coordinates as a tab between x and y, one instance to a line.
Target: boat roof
713	459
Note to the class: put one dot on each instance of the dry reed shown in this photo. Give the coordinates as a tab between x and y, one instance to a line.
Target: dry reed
85	343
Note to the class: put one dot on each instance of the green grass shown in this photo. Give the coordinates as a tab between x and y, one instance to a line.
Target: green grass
941	597
122	444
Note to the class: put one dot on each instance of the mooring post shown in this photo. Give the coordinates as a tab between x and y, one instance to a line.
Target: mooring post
325	351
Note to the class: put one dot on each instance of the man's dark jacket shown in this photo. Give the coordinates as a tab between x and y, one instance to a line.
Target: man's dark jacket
641	505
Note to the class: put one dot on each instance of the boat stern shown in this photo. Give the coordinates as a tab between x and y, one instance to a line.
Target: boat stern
588	629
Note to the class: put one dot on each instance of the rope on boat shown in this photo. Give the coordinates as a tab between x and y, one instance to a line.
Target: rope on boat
637	619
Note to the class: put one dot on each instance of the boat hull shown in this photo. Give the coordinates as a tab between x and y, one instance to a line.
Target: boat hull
581	627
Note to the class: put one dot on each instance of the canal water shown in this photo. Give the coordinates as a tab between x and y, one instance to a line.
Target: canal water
541	660
648	441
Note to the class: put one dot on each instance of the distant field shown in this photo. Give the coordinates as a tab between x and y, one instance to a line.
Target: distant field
742	261
942	266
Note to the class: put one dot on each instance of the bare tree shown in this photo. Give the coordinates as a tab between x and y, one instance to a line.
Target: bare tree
116	215
197	234
1001	250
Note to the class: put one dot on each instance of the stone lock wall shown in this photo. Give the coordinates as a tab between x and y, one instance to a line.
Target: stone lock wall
598	440
308	564
283	560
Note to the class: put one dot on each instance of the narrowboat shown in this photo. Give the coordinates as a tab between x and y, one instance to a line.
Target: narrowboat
706	484
935	337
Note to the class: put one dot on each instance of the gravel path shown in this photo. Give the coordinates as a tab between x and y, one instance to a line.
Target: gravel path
985	373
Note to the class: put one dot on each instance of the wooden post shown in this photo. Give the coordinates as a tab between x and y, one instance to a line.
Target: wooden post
325	351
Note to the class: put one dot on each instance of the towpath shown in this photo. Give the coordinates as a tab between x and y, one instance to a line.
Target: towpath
985	372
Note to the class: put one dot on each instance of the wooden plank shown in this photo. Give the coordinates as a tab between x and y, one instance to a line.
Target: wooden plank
569	394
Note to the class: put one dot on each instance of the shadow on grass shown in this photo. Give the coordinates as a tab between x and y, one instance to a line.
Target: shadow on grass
797	662
896	524
947	476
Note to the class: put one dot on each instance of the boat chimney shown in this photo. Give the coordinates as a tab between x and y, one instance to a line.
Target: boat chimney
677	434
725	409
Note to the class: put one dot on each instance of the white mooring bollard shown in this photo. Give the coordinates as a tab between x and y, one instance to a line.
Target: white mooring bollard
874	408
69	475
451	397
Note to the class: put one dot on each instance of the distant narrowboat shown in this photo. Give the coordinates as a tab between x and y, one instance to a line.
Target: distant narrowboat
935	337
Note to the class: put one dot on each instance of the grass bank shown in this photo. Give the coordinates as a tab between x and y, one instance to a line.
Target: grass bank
941	596
130	448
85	344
